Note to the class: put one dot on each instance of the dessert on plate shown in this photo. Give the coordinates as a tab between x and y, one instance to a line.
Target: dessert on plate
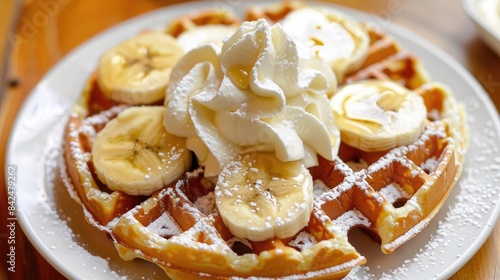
234	147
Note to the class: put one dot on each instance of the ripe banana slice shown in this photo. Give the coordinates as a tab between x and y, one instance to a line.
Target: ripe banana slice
336	38
135	154
259	197
377	115
137	71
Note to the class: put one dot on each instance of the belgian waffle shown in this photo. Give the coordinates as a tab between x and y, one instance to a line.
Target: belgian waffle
393	194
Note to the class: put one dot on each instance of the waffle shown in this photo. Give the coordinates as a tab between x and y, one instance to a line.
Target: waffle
392	194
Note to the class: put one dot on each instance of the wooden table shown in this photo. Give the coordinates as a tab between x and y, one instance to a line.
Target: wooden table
47	30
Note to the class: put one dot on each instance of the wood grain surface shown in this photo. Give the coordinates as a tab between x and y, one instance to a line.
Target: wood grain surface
47	30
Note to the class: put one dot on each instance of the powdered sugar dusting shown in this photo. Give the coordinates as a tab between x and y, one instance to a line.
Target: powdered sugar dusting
351	219
430	164
165	226
206	204
303	241
211	242
394	192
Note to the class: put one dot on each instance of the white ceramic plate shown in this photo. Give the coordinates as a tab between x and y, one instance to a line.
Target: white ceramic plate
55	223
486	18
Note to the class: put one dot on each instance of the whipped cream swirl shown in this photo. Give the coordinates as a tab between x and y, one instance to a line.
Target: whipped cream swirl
263	91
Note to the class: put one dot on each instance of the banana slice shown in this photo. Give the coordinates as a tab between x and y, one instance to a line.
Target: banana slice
377	115
336	38
205	34
137	71
259	197
134	153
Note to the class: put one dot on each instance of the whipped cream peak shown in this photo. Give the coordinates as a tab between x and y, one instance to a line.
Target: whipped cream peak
268	63
193	73
264	91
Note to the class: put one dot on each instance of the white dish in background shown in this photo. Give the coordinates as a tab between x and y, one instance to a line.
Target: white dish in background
55	224
486	17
